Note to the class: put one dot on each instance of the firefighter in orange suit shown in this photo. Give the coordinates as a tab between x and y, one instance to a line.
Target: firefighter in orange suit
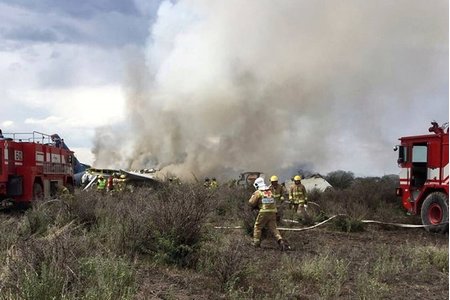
278	192
263	200
297	195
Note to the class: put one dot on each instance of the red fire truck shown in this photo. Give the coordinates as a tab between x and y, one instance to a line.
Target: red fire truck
423	160
33	166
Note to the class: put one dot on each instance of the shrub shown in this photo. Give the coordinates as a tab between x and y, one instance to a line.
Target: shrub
177	216
431	256
107	278
127	217
324	271
229	201
387	263
348	224
223	259
43	215
84	206
42	268
43	282
368	287
365	198
8	234
340	179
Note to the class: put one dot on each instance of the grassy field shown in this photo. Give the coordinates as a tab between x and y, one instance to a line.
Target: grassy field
163	245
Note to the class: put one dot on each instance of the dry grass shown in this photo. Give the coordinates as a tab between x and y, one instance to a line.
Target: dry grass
162	243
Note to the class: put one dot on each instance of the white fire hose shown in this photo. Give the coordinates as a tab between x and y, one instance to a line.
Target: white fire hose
331	218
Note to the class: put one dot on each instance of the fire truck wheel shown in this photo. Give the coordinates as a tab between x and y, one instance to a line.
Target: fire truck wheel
38	193
435	211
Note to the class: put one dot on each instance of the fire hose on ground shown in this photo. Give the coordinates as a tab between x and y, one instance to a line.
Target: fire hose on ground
333	217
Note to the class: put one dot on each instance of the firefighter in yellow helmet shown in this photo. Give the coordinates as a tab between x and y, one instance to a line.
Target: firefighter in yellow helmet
297	195
121	183
263	200
278	192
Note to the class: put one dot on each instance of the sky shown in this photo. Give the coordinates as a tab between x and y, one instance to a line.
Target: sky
217	87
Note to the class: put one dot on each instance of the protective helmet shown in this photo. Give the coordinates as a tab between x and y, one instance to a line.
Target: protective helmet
297	177
274	178
259	184
122	176
100	176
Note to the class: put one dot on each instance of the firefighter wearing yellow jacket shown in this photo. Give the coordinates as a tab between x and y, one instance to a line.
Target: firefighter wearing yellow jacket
297	195
278	192
263	200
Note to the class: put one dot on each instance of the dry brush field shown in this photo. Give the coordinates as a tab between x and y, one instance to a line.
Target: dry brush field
164	245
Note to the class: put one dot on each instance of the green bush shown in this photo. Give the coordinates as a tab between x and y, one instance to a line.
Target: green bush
44	282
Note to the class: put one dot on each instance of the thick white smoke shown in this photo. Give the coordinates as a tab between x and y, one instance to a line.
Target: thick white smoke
225	86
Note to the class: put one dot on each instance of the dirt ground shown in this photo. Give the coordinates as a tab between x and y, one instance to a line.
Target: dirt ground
359	247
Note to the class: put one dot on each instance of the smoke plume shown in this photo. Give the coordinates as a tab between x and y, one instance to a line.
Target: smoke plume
225	86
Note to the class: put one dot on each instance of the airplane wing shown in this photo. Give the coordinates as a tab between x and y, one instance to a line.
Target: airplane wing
142	178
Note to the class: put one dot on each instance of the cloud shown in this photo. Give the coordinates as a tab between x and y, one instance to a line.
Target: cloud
49	121
104	24
7	123
62	63
82	108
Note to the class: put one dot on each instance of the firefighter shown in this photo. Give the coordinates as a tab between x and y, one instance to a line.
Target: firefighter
121	183
61	190
263	200
278	192
214	184
207	183
110	183
297	196
101	183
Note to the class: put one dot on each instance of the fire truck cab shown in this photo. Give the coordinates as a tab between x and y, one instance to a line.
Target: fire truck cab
33	166
423	160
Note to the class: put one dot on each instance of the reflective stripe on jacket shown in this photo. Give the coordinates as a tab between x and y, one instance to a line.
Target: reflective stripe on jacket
277	193
297	194
264	200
